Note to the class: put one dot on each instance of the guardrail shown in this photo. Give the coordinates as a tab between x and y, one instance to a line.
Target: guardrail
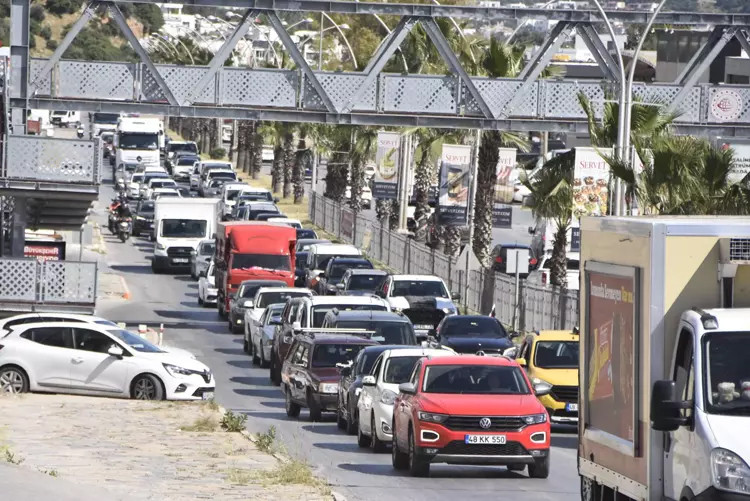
52	160
539	307
32	282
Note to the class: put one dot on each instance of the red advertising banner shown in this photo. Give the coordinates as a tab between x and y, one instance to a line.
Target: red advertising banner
44	251
611	310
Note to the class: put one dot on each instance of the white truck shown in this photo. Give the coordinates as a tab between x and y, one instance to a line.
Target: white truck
138	140
180	224
65	118
100	122
664	399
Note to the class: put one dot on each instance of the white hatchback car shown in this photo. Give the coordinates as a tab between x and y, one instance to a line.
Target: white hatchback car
265	296
9	323
379	391
91	359
207	292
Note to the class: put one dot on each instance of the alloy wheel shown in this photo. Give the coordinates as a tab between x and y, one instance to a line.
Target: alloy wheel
145	389
11	382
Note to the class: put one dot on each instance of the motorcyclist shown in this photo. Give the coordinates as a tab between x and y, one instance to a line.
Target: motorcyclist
120	207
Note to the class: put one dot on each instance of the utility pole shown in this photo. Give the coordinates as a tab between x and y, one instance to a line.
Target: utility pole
470	212
403	182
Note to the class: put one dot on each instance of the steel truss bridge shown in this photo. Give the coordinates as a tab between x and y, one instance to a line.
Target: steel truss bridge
372	97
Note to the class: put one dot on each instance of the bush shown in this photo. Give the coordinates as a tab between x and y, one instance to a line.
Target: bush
45	32
217	153
52	44
149	15
233	422
61	7
264	441
36	12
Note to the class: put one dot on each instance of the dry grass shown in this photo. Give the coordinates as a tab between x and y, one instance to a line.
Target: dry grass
202	424
239	476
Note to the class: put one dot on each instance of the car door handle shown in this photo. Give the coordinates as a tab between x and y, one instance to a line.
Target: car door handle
77	360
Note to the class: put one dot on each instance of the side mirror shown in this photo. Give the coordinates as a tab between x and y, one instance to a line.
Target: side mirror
115	351
406	388
456	296
510	352
368	381
248	303
296	327
665	408
521	362
542	388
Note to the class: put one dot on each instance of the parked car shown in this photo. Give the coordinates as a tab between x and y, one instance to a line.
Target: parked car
143	218
241	301
472	334
551	357
309	377
255	307
385	327
207	292
261	339
469	409
499	258
361	282
93	359
334	272
350	384
423	298
201	256
379	392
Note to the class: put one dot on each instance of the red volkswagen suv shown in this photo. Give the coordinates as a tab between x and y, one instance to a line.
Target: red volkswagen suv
470	410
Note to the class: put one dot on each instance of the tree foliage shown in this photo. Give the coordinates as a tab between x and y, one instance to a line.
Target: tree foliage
61	7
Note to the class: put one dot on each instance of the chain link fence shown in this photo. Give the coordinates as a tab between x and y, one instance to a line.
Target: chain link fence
538	308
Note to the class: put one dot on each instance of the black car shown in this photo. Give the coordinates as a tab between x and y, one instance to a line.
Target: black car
143	220
351	381
361	282
473	333
306	233
334	272
245	292
310	374
386	327
499	258
299	269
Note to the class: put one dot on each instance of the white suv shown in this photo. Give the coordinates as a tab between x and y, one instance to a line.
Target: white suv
379	391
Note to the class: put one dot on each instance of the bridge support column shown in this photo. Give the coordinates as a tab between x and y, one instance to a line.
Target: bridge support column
18	230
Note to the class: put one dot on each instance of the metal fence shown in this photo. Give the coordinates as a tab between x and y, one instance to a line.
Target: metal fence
54	160
48	282
539	307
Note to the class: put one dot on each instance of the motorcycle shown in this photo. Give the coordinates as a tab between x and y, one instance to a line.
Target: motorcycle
79	131
112	221
124	228
120	185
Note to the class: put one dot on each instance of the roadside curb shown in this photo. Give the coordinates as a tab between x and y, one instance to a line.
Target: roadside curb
99	247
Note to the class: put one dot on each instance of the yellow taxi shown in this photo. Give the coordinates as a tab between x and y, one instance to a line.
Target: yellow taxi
551	357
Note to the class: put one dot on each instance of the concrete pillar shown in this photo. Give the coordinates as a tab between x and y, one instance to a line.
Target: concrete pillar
18	232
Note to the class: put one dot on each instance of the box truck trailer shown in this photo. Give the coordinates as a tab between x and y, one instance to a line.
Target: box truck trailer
179	226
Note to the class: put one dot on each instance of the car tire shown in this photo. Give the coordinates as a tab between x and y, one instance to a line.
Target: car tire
136	233
351	424
245	346
313	407
146	387
540	468
235	329
200	300
275	372
292	409
254	353
400	460
155	269
362	439
13	380
377	445
340	421
263	361
418	465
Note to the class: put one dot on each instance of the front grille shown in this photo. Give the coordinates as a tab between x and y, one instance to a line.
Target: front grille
200	391
179	251
565	393
471	423
507	449
421	316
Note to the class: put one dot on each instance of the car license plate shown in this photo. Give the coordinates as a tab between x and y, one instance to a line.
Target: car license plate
207	395
424	327
180	260
485	439
571	407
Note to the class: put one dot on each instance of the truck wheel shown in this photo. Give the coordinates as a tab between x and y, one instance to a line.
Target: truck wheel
590	490
540	468
155	268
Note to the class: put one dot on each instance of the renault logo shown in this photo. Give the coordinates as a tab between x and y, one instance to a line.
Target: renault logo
485	423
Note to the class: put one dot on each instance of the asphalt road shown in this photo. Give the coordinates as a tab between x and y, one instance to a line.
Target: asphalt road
242	387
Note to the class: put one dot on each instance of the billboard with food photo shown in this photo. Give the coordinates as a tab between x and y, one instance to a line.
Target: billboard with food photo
455	185
385	182
591	182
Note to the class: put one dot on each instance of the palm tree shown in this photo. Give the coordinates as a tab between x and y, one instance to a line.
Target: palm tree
303	159
289	159
337	141
363	150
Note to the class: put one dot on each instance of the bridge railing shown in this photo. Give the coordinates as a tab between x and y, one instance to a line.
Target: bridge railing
52	160
26	284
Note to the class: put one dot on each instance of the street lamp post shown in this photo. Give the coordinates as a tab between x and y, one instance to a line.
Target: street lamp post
341	32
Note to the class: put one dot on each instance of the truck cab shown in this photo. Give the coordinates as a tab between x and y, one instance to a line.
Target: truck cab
139	141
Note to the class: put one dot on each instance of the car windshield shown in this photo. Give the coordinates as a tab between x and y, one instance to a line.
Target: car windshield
328	355
727	373
556	355
267	298
463	326
162	183
218	183
106	118
222	175
368	360
135	341
274	314
183	228
384	332
232	194
365	282
183	147
319	311
146	207
254	197
306	234
338	270
475	379
398	369
248	291
154	175
187	160
301	261
433	288
261	261
137	178
207	249
131	141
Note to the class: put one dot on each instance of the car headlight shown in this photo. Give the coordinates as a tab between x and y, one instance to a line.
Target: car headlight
328	387
535	419
140	218
388	397
431	417
730	472
449	310
540	384
176	371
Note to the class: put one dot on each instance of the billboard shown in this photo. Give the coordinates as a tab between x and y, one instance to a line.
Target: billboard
501	211
741	167
453	200
44	250
611	345
590	182
387	157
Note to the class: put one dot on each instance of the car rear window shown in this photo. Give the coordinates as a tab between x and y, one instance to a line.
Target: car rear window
319	312
328	355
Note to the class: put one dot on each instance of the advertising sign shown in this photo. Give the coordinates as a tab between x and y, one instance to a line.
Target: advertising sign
385	181
44	250
590	182
611	309
741	167
501	211
455	165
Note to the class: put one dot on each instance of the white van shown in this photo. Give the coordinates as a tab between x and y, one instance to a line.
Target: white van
65	118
